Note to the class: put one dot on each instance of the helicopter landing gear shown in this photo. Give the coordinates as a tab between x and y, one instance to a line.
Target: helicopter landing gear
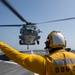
20	42
37	42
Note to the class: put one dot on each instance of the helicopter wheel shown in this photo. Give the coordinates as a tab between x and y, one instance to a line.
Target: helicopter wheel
20	42
38	42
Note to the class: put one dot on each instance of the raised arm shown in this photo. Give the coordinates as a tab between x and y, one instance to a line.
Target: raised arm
32	62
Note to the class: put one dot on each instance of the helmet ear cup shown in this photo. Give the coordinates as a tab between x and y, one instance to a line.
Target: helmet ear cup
47	43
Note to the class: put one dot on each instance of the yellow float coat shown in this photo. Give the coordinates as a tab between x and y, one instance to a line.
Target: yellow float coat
60	62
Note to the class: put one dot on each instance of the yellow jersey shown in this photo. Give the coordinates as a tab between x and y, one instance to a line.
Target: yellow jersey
59	62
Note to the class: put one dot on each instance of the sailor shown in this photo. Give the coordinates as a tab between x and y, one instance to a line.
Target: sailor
57	62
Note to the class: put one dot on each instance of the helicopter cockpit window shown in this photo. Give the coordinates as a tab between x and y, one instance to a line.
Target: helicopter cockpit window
23	30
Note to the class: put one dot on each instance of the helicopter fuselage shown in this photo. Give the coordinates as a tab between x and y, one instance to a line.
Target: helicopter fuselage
28	36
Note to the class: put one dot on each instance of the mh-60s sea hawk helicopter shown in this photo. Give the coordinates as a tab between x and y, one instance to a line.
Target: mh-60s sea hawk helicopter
29	33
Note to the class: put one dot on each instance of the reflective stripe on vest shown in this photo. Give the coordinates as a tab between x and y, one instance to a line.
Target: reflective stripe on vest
63	62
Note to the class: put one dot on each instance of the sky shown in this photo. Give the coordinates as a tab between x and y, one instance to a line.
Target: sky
37	11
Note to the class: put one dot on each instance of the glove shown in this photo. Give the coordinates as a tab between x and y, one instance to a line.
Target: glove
1	43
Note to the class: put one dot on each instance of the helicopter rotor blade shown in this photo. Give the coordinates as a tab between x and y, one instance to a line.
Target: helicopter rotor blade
11	25
65	19
21	18
13	10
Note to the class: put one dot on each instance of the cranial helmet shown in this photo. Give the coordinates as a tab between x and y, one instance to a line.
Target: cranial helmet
55	40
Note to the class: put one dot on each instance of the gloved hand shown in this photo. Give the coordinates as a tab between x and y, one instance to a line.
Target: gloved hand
1	43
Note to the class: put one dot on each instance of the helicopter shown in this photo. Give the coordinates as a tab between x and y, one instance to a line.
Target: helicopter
29	33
